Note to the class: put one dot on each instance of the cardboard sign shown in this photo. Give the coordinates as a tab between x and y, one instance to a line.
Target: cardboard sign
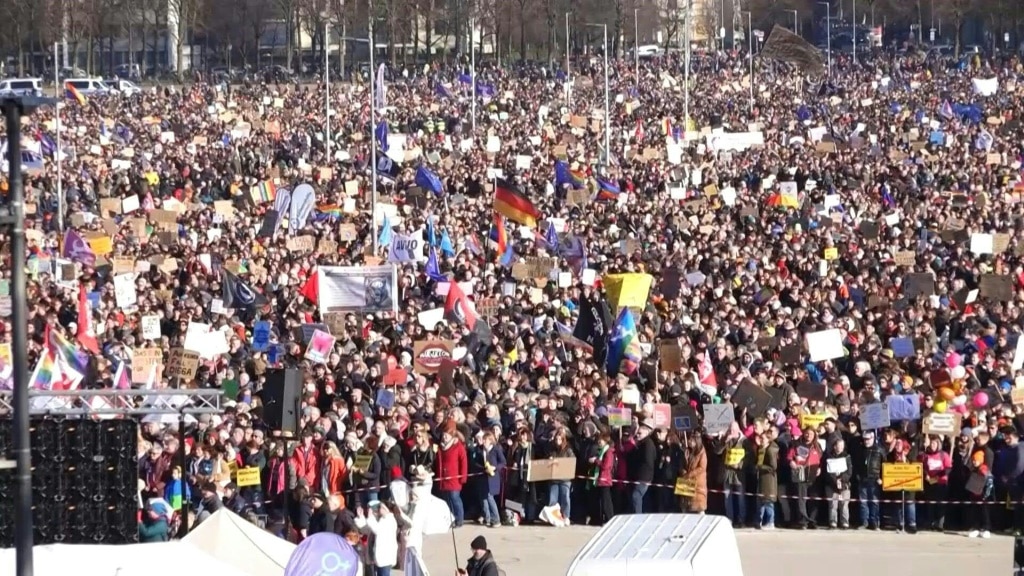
718	418
347	233
429	355
182	365
551	469
488	307
619	417
905	258
144	361
998	287
670	356
300	244
946	424
247	477
903	477
541	267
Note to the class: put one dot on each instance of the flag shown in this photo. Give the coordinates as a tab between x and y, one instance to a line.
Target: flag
381	132
592	327
86	336
237	294
623	346
946	110
76	249
122	380
706	375
498	233
311	288
66	351
564	175
431	232
42	375
786	46
457	308
666	126
514	205
441	90
508	256
46	144
551	237
427	180
380	91
638	134
266	190
72	93
433	269
472	243
887	198
446	244
607	190
384	237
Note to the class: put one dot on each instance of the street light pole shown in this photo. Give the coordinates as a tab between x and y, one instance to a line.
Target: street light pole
607	105
58	153
750	48
686	66
636	43
568	75
373	136
327	88
828	34
472	70
854	23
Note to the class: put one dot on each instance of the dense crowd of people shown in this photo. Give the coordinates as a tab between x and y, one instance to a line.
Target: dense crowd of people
799	306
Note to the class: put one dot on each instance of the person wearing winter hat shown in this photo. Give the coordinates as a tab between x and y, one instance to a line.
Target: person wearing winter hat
481	562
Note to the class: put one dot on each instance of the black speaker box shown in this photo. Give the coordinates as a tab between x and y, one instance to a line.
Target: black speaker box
281	398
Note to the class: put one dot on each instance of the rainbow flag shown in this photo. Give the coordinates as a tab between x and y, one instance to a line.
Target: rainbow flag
67	351
43	375
265	191
624	352
73	93
328	211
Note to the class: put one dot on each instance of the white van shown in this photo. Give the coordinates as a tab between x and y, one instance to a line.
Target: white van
648	544
21	86
88	86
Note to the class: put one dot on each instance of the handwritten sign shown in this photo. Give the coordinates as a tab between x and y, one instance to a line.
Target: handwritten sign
903	477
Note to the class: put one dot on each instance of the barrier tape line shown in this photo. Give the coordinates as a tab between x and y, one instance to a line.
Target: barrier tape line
910	496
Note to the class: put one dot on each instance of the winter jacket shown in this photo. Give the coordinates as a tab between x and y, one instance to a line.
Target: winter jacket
839	481
495	457
153	530
643	460
868	467
602	469
937	467
768	472
452	467
696	471
306	464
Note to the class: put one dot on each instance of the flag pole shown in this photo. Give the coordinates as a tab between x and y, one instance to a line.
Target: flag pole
58	153
373	138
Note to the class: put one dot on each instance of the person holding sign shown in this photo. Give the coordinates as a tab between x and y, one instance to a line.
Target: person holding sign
805	466
901	452
839	470
937	465
692	485
733	452
367	469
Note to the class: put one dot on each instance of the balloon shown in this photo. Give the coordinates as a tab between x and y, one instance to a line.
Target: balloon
941	406
960	400
980	400
953	360
957	372
947	394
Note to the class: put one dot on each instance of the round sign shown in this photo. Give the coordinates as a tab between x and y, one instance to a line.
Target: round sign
432	355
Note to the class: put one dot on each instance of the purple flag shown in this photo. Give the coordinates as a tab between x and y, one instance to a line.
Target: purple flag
77	249
323	554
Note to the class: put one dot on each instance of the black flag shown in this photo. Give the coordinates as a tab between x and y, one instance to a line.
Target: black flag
784	45
238	294
593	326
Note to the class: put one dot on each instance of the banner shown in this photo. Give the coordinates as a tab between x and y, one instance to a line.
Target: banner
784	45
360	289
405	249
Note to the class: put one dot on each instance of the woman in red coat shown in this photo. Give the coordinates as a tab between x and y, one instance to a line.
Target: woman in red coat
602	467
452	470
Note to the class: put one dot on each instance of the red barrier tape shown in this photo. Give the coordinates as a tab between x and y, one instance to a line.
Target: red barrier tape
909	495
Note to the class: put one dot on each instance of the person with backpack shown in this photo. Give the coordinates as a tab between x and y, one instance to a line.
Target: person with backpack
482	562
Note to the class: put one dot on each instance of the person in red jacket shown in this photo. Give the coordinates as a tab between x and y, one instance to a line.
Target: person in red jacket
452	470
602	466
937	465
306	460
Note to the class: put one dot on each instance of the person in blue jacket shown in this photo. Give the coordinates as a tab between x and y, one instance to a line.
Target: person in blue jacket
153	527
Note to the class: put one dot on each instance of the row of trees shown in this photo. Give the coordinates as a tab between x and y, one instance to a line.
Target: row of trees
424	29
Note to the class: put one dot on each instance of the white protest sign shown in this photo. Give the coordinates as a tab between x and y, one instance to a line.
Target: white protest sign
405	249
151	327
718	418
124	291
825	345
874	416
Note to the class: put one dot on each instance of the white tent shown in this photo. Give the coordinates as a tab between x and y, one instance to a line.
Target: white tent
232	540
163	559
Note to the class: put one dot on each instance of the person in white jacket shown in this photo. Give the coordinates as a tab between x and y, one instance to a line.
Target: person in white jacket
379	521
413	524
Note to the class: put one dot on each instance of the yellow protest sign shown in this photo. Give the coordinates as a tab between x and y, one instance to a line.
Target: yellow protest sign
903	477
734	457
686	487
831	254
101	245
627	290
812	420
362	462
248	477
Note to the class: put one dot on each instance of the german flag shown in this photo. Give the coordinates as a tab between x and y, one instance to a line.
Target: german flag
73	93
514	205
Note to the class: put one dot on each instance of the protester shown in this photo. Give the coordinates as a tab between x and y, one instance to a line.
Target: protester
482	562
770	280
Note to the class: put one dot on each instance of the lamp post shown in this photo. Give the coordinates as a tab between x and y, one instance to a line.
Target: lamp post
636	43
568	76
686	66
828	34
853	22
796	21
373	126
327	87
472	69
607	100
750	49
12	218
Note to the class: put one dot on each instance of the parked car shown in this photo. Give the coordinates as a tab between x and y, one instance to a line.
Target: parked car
88	86
21	87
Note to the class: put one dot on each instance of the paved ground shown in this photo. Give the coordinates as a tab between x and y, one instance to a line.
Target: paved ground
529	551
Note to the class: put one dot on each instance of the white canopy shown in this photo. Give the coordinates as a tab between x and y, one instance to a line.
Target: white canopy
232	540
163	559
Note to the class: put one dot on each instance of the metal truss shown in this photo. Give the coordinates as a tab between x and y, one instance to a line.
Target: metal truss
109	403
